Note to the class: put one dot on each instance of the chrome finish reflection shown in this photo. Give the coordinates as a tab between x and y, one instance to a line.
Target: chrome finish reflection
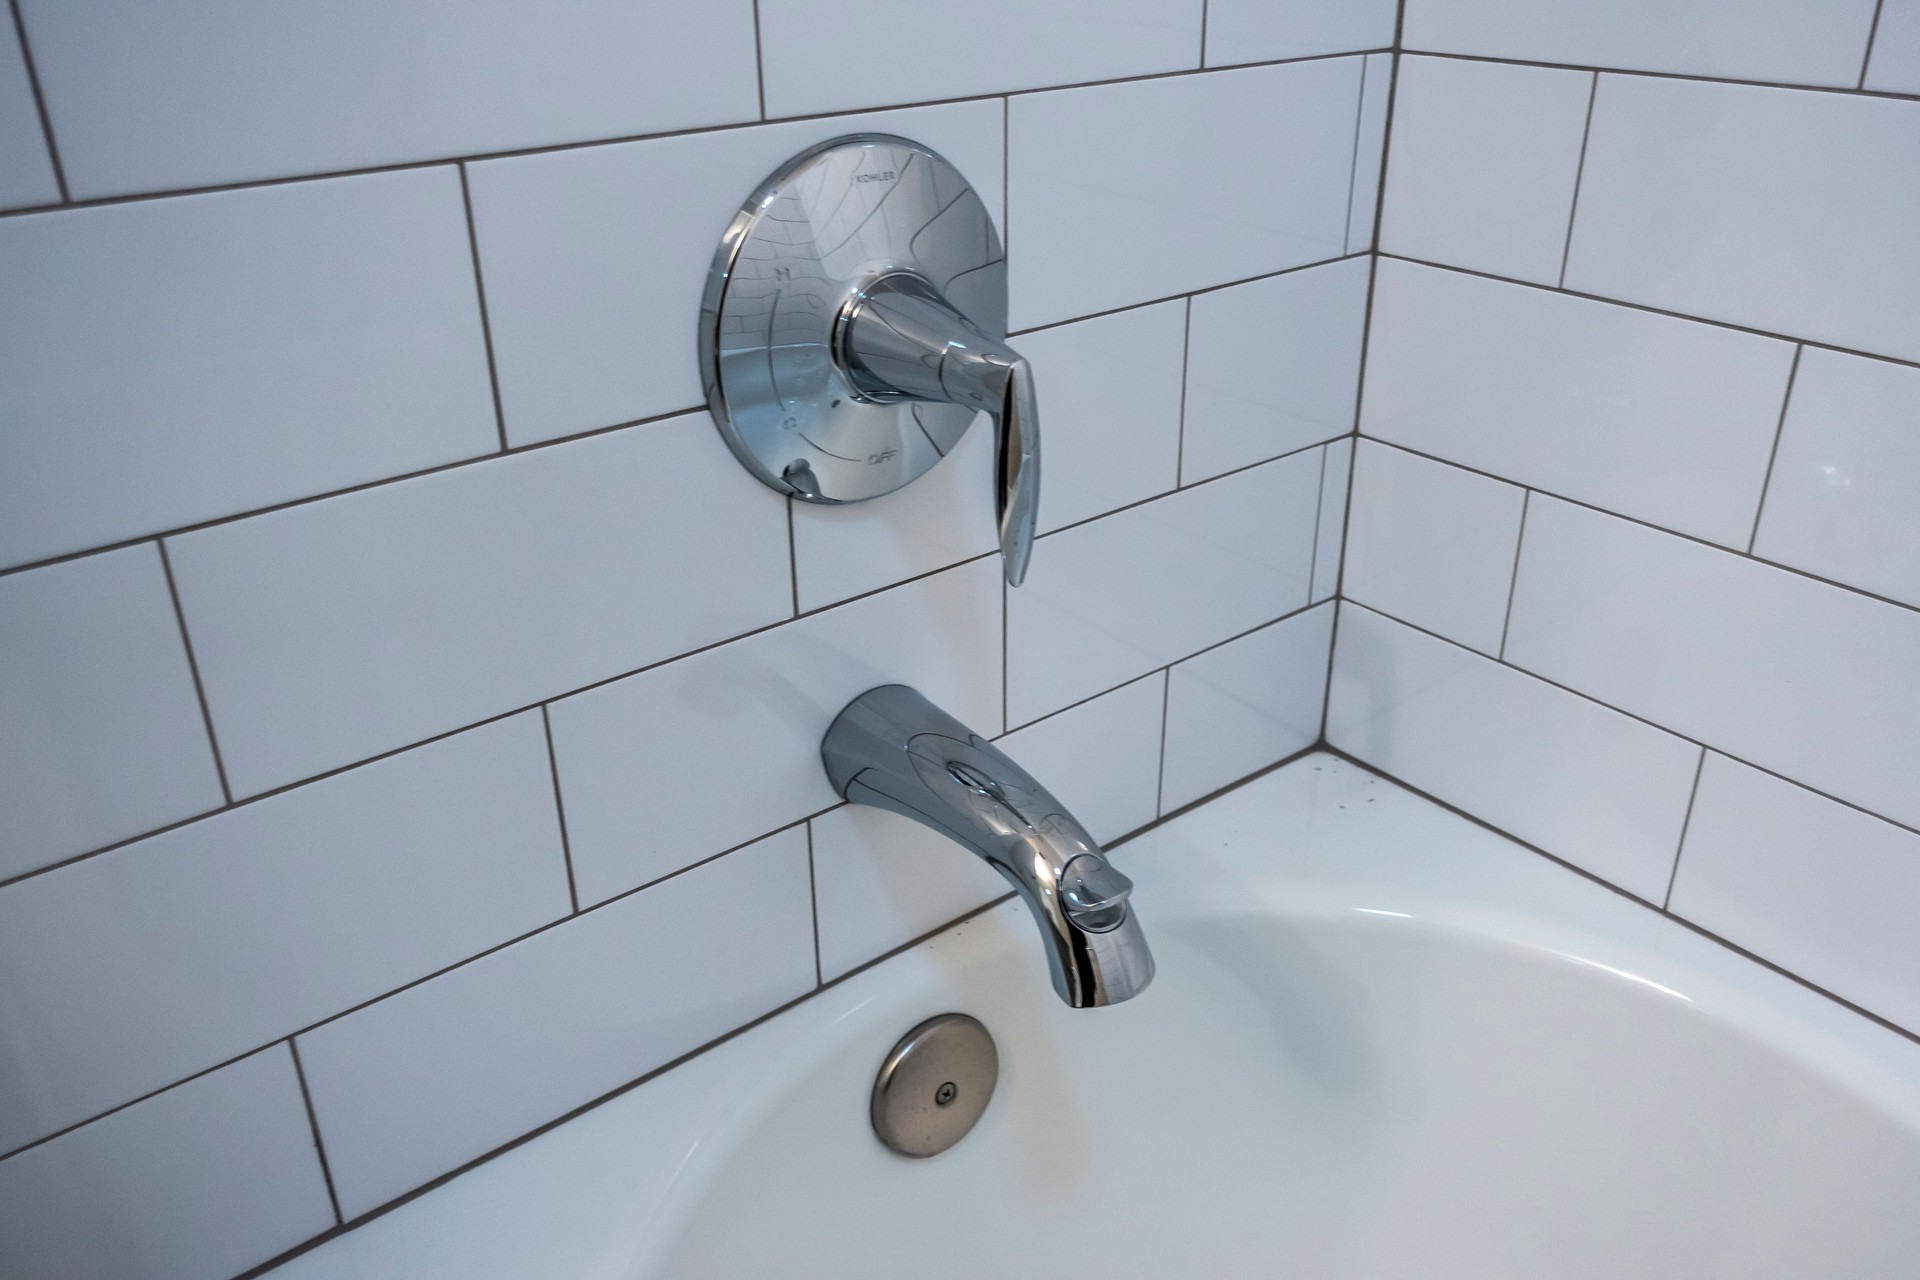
893	749
853	325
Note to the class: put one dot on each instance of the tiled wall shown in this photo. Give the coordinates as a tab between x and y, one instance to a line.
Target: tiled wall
1633	569
408	708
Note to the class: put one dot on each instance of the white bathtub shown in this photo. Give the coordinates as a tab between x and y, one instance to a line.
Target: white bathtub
1383	1043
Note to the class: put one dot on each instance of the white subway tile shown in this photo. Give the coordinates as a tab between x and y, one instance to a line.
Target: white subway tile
1827	892
1803	41
1129	192
1110	600
675	764
1841	502
595	259
1100	759
101	736
171	361
1657	418
1376	93
1783	210
1110	401
439	1074
1597	788
200	92
1267	30
1273	366
994	45
1329	543
1243	706
198	1183
330	632
1895	65
1433	545
881	880
1794	675
26	170
944	517
1483	165
123	973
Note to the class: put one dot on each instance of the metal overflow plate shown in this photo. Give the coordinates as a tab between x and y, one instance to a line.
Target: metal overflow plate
935	1085
822	228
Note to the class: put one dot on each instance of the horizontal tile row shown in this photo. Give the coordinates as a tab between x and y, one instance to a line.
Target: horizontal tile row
1800	41
175	361
1770	666
442	1071
1662	419
1602	790
1781	210
201	94
1806	679
308	624
178	361
1823	890
122	974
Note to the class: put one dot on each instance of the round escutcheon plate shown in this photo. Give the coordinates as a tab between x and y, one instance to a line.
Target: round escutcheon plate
828	223
935	1085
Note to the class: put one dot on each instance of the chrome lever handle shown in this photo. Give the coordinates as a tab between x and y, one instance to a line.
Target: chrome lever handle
1017	446
899	339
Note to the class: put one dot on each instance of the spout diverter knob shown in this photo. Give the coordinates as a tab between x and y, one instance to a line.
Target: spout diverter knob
900	339
1094	893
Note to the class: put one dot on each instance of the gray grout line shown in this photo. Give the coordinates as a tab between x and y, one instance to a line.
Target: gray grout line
1656	311
1651	724
759	62
199	686
1680	846
1180	427
1006	653
1006	176
40	106
560	808
1203	35
1189	294
313	1125
1353	163
1873	32
1160	778
1579	172
534	445
813	905
475	157
1319	510
1513	580
486	325
1608	885
1838	90
1773	454
793	558
1721	547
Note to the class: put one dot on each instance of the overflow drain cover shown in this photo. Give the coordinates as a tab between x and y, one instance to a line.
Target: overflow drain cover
934	1085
